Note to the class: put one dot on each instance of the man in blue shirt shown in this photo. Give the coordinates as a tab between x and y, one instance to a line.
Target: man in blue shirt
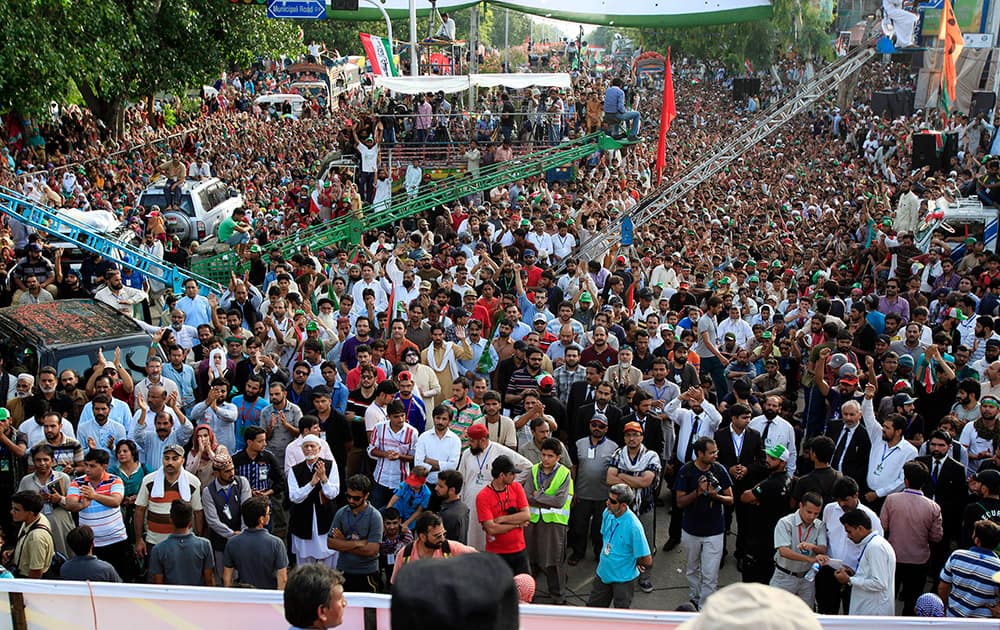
624	554
614	103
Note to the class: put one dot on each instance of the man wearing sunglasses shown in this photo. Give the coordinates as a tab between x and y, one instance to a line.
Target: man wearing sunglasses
625	554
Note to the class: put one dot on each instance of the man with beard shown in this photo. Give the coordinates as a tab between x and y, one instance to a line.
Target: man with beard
591	457
68	382
765	504
888	454
431	542
281	420
946	485
741	452
475	465
891	302
857	325
313	484
169	427
248	405
982	437
223	499
398	342
67	452
156	494
120	297
984	489
522	380
774	429
442	357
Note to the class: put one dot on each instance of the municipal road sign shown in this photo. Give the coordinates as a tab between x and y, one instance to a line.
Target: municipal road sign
296	9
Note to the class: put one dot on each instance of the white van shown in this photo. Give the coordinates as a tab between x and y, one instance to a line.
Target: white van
965	218
297	102
203	206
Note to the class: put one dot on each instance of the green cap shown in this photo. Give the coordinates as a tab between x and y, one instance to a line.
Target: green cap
312	326
778	451
753	278
234	340
585	297
4	414
766	334
724	280
255	249
969	241
298	312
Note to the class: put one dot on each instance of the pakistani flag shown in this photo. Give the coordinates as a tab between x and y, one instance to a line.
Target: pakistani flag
378	50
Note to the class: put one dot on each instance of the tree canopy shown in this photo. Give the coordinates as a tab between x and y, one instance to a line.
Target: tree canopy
114	51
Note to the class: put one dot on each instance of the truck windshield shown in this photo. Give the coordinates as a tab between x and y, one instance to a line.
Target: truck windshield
80	359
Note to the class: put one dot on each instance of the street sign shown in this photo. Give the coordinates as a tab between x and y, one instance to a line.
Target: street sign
296	9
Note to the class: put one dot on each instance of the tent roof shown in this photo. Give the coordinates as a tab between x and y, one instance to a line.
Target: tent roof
659	13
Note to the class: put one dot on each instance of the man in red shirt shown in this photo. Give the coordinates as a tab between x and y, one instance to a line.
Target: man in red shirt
503	512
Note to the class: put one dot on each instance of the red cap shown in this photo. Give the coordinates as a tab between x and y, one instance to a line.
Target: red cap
414	481
633	426
404	376
478	432
546	382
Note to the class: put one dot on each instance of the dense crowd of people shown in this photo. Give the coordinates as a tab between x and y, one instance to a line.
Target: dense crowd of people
773	358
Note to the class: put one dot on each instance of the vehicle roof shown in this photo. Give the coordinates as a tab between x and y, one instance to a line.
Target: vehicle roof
68	321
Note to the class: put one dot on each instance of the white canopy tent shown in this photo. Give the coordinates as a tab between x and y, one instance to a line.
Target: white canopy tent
462	83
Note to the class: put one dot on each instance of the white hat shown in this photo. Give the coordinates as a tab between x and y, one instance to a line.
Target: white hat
756	606
311	439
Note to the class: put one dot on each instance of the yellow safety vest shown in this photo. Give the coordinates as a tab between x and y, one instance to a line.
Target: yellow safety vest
558	515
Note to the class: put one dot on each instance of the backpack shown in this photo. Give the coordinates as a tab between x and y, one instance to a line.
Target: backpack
58	558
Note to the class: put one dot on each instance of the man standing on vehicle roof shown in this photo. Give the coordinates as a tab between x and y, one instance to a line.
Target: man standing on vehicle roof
176	173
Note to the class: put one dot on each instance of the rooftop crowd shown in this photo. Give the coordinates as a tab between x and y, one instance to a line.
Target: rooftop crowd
774	358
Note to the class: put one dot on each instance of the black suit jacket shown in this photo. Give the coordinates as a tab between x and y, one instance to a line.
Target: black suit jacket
951	492
652	432
574	403
581	422
751	456
855	464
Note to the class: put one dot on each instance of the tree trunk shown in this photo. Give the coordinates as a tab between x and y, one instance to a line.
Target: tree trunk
110	111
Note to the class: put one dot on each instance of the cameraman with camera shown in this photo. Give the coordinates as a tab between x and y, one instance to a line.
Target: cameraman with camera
703	489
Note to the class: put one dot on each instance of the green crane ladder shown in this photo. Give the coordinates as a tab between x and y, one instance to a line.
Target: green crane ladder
350	228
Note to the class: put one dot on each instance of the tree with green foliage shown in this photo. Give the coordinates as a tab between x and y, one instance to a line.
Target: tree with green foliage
114	51
794	26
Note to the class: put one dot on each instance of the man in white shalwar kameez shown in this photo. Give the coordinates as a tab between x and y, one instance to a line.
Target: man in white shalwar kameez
475	465
303	480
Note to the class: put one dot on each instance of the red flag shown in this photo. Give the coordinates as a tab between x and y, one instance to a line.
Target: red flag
667	115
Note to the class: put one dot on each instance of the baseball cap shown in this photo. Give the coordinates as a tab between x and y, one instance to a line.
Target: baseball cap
312	326
529	252
684	285
633	426
990	479
478	431
4	414
906	359
902	398
33	247
778	451
849	380
585	297
601	418
176	449
993	343
540	318
405	375
546	382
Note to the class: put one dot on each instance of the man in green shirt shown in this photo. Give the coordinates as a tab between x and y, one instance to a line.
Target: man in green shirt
234	231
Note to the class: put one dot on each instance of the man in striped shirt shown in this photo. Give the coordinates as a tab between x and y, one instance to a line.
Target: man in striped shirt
967	586
97	496
392	445
157	492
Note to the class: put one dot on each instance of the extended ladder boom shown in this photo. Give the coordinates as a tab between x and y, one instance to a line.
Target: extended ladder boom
63	228
447	190
661	199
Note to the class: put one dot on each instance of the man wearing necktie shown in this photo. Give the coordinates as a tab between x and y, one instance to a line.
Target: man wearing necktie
946	485
700	420
774	429
850	455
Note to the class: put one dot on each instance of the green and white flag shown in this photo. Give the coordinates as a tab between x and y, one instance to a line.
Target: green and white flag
378	50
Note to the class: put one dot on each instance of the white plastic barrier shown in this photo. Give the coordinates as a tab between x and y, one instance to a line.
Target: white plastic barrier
51	605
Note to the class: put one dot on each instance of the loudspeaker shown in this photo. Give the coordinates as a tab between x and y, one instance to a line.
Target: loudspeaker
880	102
924	151
982	103
742	88
343	5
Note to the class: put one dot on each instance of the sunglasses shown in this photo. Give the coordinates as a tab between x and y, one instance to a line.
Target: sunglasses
613	501
301	373
598	424
355	497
